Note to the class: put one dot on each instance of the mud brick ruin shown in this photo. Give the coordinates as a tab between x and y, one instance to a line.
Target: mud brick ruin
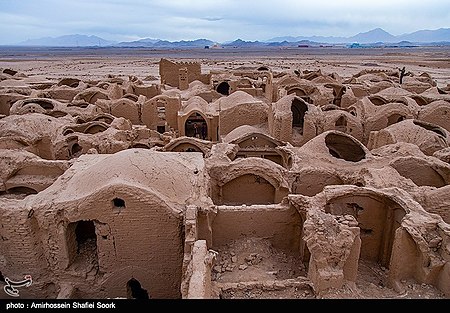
105	183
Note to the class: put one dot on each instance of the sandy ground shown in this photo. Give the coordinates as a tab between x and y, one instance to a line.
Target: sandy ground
243	262
251	259
94	64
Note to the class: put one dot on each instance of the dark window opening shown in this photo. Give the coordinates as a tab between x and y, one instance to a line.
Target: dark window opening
223	88
161	129
118	203
135	291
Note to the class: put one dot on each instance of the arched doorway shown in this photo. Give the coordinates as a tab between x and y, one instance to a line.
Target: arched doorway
196	126
378	219
223	88
248	189
298	109
341	124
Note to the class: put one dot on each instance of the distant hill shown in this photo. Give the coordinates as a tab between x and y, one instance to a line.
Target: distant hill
138	43
68	41
157	43
375	36
441	34
242	43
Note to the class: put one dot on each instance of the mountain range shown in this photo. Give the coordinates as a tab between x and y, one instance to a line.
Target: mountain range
375	36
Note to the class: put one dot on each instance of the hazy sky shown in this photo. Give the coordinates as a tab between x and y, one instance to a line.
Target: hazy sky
217	20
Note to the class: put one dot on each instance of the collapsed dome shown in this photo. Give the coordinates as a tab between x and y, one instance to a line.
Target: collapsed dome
344	147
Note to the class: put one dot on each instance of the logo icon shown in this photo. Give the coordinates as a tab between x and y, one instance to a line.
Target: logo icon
10	287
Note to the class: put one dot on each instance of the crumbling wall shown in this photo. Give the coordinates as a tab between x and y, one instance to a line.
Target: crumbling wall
170	71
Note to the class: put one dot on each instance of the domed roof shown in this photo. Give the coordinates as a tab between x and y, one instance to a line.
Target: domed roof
236	98
243	130
172	176
31	126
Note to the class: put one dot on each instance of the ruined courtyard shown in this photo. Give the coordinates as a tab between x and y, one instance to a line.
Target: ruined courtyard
221	176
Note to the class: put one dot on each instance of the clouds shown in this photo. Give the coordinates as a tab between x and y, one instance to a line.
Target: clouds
216	20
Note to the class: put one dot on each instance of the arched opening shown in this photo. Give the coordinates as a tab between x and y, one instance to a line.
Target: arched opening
94	129
262	68
378	219
82	245
103	118
76	150
223	88
140	145
80	120
377	100
196	126
57	113
248	189
299	109
419	172
70	82
343	147
428	126
46	105
255	141
135	291
68	131
341	124
421	101
131	96
297	91
186	147
95	96
395	118
77	104
338	93
22	190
